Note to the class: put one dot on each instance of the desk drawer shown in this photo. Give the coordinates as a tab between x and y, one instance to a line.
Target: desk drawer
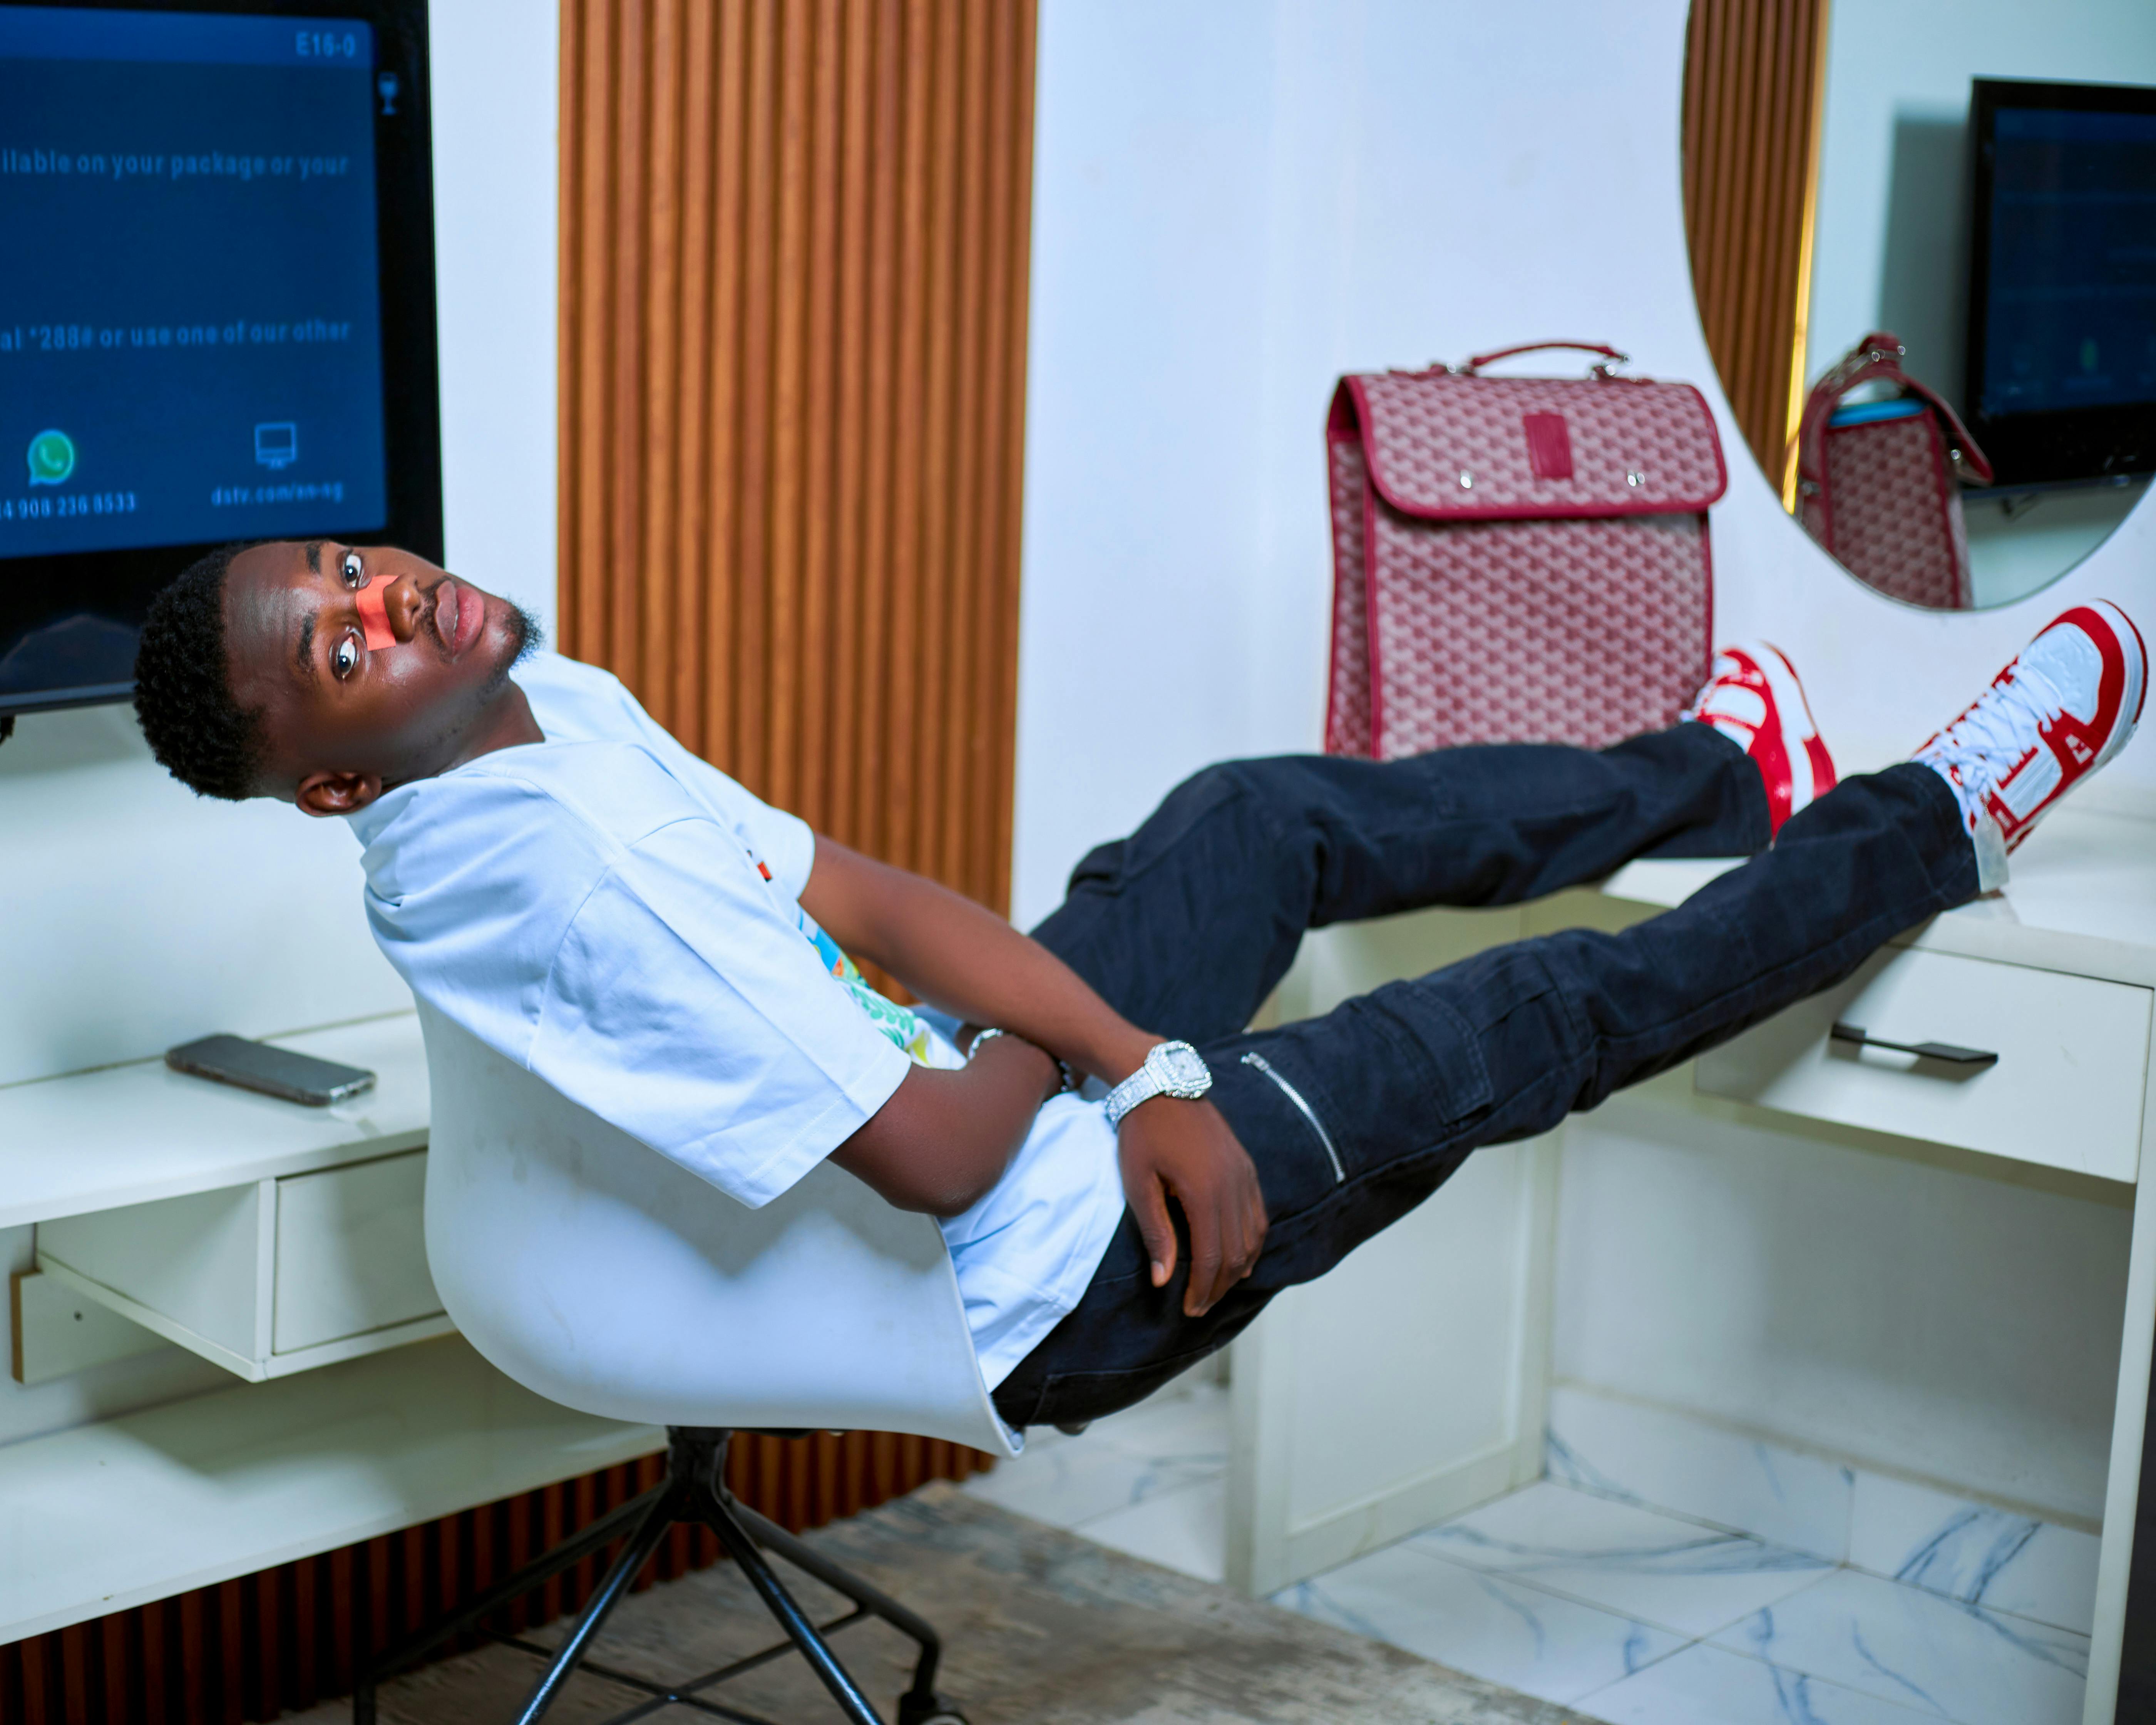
269	1278
2066	1091
351	1252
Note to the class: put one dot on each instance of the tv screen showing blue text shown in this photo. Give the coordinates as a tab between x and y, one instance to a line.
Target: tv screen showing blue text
190	331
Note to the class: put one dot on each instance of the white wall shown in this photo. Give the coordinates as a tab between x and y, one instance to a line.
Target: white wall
1150	614
139	915
496	97
1233	205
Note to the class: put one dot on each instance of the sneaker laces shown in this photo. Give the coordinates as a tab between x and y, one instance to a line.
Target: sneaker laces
1987	740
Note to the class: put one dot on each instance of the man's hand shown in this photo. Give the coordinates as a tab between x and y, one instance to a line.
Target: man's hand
1169	1147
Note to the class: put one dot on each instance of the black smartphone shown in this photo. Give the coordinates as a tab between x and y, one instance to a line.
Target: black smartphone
275	1071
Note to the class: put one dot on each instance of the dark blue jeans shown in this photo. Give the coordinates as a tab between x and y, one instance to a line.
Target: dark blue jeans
1186	926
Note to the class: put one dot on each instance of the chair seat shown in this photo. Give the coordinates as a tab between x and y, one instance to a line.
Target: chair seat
598	1274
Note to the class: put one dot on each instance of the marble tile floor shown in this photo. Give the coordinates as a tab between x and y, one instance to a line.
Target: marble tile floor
1975	1553
1616	1608
1630	1614
1151	1482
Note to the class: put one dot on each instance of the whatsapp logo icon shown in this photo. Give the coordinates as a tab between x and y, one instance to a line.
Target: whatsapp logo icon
52	458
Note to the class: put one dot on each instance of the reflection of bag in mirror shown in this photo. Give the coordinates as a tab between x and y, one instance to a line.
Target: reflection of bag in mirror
1517	559
1879	483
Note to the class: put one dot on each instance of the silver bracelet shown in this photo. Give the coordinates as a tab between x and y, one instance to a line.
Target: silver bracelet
1070	1080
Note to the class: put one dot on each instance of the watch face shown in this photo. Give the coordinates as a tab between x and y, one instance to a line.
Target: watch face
1183	1070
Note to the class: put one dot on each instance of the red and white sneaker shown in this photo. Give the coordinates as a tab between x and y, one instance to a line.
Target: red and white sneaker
1752	697
2054	715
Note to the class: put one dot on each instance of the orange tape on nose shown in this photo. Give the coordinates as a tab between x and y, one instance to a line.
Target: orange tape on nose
374	613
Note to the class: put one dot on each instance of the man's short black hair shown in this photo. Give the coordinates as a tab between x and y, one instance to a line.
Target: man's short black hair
199	732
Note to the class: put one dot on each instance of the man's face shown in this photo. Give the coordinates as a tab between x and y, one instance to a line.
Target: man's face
342	718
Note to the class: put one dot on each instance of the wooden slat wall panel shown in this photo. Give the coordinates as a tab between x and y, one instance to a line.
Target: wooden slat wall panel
1754	79
283	1639
795	241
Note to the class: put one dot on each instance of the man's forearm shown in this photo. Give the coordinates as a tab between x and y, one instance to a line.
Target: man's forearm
968	962
944	1138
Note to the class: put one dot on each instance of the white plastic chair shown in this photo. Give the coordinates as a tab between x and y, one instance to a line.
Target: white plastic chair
599	1275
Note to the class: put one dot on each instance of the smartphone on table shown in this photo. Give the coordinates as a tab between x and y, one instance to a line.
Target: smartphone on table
273	1071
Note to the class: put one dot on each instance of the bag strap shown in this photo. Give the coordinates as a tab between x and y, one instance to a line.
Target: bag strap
1877	358
1612	358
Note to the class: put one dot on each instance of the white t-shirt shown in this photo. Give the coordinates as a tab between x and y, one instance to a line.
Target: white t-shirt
622	919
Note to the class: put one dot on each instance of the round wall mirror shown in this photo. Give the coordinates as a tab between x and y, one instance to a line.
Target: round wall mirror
1923	239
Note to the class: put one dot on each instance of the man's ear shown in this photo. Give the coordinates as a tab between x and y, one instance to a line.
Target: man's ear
338	793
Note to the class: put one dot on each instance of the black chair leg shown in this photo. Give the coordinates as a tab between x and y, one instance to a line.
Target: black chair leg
693	1491
634	1556
791	1617
919	1705
607	1528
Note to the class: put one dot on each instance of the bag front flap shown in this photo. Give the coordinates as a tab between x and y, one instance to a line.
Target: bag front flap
1445	447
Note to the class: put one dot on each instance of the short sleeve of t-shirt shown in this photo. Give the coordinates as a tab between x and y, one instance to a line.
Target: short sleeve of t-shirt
581	911
689	1012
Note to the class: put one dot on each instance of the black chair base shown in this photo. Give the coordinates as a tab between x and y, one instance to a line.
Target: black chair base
693	1491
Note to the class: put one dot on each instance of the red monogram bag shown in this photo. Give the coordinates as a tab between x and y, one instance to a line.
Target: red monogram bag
1879	486
1517	558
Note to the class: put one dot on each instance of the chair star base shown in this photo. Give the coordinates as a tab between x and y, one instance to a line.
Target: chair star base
693	1491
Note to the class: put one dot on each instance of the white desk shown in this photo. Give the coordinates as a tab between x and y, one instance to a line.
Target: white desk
128	1134
1344	1440
357	1436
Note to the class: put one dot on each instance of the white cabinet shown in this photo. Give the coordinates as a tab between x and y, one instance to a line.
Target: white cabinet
268	1278
1408	1384
1411	1381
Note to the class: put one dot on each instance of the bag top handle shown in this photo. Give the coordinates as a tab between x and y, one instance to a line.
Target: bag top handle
1611	357
1876	358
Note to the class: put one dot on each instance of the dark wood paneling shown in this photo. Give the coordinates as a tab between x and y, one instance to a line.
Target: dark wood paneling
1754	77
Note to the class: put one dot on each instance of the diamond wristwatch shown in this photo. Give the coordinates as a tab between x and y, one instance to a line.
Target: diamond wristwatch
1170	1069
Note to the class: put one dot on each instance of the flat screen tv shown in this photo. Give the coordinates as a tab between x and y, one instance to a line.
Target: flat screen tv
216	306
2062	377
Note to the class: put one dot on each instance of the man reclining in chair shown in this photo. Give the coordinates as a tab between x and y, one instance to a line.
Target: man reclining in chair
553	871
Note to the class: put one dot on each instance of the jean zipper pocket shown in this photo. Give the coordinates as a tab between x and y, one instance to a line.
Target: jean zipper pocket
1255	1059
